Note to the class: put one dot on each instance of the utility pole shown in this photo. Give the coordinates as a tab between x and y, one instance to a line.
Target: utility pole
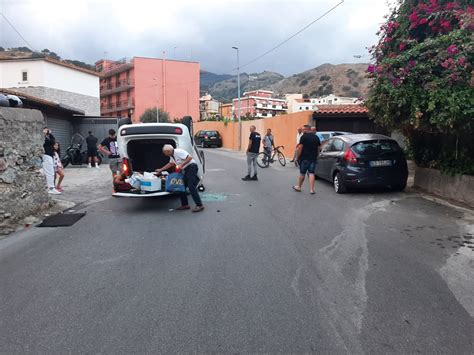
163	67
238	98
157	101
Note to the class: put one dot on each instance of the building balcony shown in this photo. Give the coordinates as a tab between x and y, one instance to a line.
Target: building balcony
112	88
117	67
270	106
117	106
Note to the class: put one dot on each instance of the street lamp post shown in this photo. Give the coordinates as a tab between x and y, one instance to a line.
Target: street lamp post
238	98
157	100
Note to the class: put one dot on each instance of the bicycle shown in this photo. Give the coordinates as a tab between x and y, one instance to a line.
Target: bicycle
264	160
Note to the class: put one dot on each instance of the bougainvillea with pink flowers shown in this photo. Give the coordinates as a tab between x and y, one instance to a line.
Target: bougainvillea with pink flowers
424	80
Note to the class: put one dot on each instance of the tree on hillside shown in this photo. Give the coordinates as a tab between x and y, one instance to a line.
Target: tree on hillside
20	49
149	116
423	81
2	49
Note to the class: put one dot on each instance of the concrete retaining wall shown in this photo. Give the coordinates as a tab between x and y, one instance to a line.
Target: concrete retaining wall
459	187
22	187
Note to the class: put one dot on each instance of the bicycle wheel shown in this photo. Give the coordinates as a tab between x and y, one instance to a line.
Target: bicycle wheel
281	159
262	160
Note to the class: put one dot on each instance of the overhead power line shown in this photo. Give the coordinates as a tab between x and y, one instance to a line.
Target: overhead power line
18	32
292	36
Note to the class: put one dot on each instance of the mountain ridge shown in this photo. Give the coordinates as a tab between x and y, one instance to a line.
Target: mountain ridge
345	79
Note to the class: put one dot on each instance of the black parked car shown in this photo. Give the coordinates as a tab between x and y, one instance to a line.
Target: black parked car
362	160
208	139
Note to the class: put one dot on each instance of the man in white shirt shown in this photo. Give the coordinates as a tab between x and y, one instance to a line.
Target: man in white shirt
184	162
298	137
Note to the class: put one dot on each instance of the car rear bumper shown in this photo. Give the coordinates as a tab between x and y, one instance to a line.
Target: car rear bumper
374	178
141	195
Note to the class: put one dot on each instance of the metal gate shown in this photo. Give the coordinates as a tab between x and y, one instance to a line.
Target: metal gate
62	131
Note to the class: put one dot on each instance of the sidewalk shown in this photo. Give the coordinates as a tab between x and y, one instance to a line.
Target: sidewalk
82	185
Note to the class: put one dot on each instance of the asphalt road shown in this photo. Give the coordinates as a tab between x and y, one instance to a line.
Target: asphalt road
262	269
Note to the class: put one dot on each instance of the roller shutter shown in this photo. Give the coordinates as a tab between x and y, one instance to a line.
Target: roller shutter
62	131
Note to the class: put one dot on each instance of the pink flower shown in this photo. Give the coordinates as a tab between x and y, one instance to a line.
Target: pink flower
451	5
446	25
411	63
401	46
395	81
454	77
371	68
387	39
461	61
413	17
448	63
423	21
452	49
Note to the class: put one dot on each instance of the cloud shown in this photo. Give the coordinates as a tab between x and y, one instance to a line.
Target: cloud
203	30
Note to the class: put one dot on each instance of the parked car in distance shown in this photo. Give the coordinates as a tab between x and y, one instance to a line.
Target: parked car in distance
362	160
208	139
325	135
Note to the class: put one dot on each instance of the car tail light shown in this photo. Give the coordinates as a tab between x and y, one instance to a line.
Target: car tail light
178	130
126	167
350	157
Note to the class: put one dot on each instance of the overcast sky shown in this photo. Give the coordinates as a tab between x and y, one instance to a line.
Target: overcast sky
201	30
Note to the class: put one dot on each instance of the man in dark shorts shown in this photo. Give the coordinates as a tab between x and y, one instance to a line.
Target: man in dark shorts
308	150
91	141
110	148
252	152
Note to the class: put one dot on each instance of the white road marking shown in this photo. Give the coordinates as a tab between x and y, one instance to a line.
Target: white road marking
459	270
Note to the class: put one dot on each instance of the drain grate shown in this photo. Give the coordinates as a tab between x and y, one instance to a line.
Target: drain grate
62	220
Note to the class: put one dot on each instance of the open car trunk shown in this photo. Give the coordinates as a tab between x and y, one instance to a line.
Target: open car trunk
147	154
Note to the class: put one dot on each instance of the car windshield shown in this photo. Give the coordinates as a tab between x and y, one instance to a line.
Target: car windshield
211	133
376	147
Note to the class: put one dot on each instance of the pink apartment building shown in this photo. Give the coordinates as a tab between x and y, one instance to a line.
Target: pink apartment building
130	86
258	103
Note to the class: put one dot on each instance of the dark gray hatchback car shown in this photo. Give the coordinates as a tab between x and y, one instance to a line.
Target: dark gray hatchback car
362	160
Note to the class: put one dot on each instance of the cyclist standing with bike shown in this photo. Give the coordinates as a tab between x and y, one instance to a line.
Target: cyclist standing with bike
268	144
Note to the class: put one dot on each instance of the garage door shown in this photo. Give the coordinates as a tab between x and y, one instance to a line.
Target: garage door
62	131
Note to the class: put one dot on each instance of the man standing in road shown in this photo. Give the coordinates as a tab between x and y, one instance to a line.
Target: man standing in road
91	141
298	137
268	144
252	152
308	150
48	162
110	148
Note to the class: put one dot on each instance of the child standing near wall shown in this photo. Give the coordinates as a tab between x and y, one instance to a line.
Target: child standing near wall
58	167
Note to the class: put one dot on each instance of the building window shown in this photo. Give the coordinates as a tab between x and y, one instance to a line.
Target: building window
24	75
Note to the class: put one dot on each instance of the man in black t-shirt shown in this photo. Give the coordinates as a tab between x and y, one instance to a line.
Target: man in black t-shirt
252	152
308	150
91	141
110	148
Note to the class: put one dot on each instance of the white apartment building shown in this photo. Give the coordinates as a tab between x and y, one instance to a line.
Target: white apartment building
52	80
208	107
297	103
336	100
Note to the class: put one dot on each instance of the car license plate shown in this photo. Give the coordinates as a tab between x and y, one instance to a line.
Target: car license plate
376	163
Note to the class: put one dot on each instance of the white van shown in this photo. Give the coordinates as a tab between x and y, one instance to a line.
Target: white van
140	146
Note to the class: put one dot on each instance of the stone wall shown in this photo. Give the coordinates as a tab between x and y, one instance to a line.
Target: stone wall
89	104
22	187
459	188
